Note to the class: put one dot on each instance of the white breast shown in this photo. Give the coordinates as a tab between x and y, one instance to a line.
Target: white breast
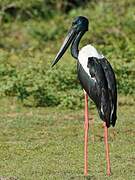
85	53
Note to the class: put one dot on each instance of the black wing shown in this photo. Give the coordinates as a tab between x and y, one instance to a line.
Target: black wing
96	71
95	84
112	88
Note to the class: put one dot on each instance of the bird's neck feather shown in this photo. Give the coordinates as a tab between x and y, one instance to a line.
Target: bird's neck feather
75	44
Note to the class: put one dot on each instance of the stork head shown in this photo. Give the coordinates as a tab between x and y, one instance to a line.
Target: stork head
79	24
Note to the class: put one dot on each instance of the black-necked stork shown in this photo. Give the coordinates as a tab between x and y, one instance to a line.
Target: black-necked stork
97	79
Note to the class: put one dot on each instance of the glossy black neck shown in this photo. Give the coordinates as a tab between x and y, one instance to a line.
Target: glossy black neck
75	44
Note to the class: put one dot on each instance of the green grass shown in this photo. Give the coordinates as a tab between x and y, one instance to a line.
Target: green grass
46	143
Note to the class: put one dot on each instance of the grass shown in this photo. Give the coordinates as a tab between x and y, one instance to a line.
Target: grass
47	143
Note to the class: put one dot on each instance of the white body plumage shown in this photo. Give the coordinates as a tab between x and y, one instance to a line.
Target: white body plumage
86	52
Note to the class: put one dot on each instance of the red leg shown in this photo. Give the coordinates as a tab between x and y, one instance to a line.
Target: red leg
86	127
93	141
92	125
107	149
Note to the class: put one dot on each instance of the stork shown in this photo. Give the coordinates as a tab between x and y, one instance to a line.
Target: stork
97	79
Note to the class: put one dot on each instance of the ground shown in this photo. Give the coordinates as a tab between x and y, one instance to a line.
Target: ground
47	143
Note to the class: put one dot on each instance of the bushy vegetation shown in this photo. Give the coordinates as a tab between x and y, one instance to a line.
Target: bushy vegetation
30	39
24	9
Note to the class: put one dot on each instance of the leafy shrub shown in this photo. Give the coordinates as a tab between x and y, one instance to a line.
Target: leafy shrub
45	9
35	84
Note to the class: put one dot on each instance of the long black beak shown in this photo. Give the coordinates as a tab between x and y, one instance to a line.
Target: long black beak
65	45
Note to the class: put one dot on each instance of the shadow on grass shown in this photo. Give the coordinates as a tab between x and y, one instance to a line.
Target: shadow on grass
83	177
